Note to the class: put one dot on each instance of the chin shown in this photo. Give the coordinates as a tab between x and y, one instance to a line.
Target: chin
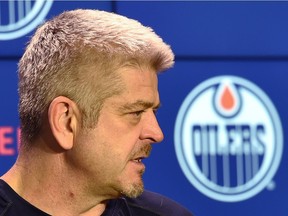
131	185
133	190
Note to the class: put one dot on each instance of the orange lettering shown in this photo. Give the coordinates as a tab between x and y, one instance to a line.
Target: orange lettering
5	141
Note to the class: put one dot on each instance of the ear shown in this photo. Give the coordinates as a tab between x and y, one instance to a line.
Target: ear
63	117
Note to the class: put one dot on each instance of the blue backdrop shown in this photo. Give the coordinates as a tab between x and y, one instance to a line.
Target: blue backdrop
244	43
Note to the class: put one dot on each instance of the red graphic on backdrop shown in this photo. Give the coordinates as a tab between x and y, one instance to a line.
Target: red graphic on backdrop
9	140
227	99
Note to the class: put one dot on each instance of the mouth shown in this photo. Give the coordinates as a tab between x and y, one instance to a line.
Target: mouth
138	160
141	154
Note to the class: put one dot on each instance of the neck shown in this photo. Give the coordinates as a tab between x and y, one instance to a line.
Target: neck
43	180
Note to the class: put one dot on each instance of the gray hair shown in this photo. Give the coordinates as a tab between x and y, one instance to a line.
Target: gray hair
65	50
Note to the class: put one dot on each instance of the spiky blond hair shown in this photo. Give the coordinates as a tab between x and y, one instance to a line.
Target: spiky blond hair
76	55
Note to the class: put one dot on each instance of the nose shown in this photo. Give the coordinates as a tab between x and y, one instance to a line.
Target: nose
151	129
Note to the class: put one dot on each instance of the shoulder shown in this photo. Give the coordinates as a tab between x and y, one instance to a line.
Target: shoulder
150	203
11	204
5	202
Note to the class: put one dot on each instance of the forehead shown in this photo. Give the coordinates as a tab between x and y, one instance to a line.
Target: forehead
140	87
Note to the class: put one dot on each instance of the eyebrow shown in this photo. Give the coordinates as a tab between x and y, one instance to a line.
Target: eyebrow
139	104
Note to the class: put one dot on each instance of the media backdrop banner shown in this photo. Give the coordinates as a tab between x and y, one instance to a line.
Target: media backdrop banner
224	104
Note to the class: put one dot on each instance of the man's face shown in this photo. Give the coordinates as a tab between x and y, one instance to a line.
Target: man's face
112	153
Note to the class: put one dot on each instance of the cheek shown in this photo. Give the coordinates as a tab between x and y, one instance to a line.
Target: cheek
119	146
95	158
120	136
112	141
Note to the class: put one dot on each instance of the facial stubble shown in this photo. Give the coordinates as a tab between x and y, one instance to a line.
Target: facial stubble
136	189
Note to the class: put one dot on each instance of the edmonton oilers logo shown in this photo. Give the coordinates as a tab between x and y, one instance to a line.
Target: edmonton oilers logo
19	17
228	139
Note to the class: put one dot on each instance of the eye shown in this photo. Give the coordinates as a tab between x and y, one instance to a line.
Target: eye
137	113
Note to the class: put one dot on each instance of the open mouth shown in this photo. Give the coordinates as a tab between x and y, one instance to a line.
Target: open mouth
138	160
141	154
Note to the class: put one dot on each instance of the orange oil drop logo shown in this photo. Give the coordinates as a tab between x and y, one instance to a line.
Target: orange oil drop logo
227	99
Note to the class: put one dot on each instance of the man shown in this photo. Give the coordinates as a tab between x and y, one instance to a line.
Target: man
88	96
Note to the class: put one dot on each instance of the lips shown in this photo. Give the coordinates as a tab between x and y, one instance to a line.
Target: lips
138	160
141	154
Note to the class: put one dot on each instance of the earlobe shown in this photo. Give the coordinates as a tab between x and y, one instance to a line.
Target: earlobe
62	116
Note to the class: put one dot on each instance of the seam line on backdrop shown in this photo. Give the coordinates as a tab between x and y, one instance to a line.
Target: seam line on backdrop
199	58
231	58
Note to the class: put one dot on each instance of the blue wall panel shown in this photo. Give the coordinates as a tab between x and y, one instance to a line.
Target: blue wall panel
216	28
210	39
9	122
